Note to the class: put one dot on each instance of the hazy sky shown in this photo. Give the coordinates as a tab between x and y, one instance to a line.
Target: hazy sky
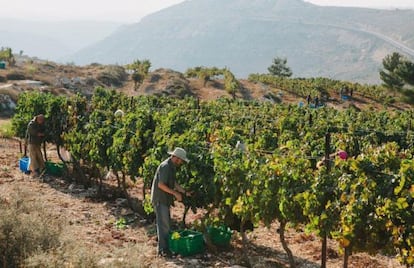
133	10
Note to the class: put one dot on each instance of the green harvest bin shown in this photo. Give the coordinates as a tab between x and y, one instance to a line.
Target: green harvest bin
189	243
54	169
220	235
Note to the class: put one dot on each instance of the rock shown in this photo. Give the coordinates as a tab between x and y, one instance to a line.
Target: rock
121	201
125	212
193	261
107	261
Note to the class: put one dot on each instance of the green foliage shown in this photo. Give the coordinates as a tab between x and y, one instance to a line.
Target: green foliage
397	71
140	71
363	202
29	105
388	75
204	74
280	68
405	70
231	84
121	223
6	130
54	108
15	76
319	86
113	75
25	228
6	54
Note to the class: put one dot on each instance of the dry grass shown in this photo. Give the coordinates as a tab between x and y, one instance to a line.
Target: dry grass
25	227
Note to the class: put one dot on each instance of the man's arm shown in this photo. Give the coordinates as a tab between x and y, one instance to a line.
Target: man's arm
168	190
181	189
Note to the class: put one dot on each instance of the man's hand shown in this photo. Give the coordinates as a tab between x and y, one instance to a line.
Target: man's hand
178	196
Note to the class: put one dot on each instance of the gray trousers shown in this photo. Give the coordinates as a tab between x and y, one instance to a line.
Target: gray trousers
162	213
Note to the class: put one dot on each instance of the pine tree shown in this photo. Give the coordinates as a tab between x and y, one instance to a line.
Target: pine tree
280	68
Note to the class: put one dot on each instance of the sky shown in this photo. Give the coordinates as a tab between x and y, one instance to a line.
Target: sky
129	11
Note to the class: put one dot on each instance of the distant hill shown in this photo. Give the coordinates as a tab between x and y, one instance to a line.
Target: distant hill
45	76
52	40
245	35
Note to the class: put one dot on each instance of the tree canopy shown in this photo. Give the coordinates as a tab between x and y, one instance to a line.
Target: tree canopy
397	71
280	68
140	71
6	54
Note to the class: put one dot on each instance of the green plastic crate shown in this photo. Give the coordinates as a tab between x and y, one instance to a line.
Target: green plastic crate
189	243
54	169
220	235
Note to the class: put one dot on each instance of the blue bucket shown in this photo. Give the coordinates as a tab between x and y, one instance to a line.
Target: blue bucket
24	164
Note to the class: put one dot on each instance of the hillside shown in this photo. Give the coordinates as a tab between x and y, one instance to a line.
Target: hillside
68	80
341	43
30	74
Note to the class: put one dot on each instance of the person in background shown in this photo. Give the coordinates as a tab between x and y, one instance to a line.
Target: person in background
316	101
35	136
164	189
341	154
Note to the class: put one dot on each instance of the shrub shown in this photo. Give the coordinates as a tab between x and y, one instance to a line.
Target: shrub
15	76
6	130
25	227
178	88
113	76
73	253
70	254
31	69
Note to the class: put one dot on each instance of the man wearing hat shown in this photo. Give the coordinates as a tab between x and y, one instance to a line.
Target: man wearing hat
35	136
164	189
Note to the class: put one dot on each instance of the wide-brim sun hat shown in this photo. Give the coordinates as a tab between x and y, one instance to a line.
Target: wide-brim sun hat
180	153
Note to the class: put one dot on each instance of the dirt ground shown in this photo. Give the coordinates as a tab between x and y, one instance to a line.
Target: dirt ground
92	221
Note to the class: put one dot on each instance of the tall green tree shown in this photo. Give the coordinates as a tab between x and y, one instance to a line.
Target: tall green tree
406	72
280	68
389	75
6	54
140	71
231	84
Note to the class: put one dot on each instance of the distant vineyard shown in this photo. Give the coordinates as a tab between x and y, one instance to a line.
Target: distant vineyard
322	87
366	202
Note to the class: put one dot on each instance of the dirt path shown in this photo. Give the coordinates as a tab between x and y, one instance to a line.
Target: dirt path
92	222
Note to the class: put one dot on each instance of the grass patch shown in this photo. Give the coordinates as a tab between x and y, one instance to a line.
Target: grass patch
6	130
25	228
31	235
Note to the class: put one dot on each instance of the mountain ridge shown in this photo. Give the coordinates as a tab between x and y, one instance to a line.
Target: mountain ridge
337	42
52	40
